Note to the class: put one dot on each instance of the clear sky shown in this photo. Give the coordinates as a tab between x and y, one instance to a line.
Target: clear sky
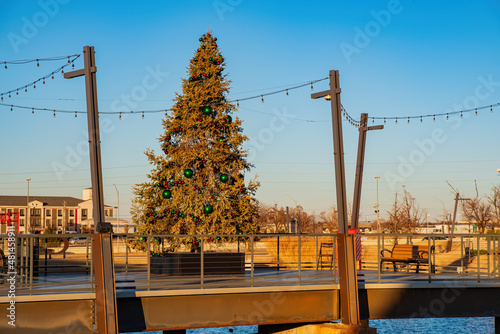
396	58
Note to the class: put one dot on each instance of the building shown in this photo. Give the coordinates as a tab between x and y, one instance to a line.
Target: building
63	214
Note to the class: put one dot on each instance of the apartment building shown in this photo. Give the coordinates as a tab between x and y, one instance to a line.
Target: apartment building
62	213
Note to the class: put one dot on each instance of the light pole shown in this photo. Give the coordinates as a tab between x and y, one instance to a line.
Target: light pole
27	207
378	218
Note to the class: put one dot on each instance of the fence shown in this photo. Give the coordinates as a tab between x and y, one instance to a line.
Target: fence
49	264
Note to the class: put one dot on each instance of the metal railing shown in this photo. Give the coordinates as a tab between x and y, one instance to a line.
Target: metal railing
44	264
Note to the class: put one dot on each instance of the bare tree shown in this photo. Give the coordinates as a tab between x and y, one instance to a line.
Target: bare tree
478	211
494	200
329	220
271	219
306	222
405	216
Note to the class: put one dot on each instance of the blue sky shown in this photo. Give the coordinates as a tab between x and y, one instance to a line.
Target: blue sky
396	58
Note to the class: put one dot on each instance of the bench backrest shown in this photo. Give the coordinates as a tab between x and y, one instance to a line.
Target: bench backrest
409	251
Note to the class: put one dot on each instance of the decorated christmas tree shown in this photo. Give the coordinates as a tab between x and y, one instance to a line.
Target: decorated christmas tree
197	185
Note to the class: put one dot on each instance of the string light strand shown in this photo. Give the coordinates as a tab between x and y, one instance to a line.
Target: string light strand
433	116
37	60
33	84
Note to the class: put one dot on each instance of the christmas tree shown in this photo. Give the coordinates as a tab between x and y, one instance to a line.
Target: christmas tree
197	185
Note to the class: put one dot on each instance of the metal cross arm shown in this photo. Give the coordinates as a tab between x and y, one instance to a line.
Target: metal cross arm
326	94
373	127
78	73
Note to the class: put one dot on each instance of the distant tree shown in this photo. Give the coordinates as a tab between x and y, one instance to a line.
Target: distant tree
494	200
405	216
305	221
271	219
329	220
479	211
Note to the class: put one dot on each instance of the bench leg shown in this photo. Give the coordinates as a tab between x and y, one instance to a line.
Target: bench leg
418	267
394	265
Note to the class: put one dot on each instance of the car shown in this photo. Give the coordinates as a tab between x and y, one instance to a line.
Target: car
434	238
78	241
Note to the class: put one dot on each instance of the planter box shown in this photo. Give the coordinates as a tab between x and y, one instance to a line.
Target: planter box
190	264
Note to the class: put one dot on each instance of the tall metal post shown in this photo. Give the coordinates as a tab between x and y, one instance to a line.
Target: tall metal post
363	128
106	313
349	300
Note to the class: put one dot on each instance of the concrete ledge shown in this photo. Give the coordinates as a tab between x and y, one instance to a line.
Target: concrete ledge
326	328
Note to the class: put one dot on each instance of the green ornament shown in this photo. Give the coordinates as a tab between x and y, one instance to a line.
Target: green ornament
208	209
207	110
167	194
224	178
221	139
142	239
229	119
188	173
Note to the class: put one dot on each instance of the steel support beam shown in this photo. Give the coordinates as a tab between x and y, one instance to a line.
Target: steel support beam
104	269
347	270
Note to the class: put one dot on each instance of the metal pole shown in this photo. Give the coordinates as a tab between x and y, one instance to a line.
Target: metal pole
363	128
106	311
347	267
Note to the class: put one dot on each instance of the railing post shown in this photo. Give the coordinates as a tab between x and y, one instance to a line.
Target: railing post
92	265
378	257
488	238
126	254
278	251
300	262
149	260
31	260
202	262
251	259
316	252
478	260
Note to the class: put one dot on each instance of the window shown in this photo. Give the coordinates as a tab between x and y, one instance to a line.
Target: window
9	210
36	212
59	222
59	212
71	222
84	213
21	222
72	212
47	222
21	212
48	212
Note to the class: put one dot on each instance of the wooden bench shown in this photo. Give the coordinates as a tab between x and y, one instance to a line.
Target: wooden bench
407	254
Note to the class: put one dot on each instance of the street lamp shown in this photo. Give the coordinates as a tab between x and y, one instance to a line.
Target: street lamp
378	219
27	207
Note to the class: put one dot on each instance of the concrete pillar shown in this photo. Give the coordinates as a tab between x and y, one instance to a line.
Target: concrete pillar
324	328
